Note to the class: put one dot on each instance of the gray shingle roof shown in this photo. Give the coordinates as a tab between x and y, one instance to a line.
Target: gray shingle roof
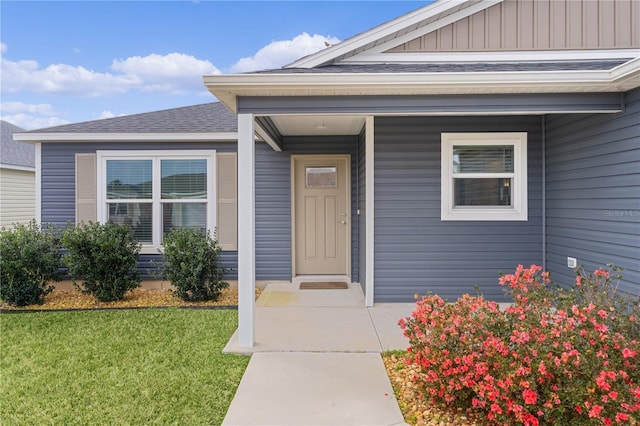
12	152
205	118
454	67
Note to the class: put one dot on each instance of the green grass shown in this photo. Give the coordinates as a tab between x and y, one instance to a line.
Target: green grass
156	366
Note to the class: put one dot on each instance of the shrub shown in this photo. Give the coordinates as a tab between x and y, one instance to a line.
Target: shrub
191	263
104	256
554	357
29	261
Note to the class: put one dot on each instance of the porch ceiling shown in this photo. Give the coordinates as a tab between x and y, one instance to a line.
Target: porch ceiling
318	125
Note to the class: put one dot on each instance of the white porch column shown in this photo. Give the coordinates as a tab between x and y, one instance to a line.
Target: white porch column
369	208
38	177
246	231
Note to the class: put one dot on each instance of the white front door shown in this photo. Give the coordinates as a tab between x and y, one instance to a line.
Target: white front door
321	215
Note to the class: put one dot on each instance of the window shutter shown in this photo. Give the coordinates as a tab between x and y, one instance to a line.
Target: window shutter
86	187
227	231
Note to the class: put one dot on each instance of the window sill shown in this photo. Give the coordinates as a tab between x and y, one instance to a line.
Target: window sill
484	215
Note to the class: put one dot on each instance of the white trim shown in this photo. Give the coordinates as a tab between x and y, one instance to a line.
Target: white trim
503	56
16	167
369	152
391	27
102	156
38	177
518	210
246	231
267	138
125	137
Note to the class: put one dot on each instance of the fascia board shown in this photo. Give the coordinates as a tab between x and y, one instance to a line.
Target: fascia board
125	137
385	30
16	167
340	81
507	56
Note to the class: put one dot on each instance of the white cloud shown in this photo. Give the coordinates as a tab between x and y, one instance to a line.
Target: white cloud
3	47
282	52
109	114
174	73
30	116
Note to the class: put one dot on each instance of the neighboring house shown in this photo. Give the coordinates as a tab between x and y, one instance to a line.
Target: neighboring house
17	178
423	155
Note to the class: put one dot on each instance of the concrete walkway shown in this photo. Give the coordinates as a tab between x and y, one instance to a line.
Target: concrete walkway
317	360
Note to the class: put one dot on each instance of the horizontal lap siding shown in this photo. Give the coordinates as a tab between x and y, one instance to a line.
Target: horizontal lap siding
416	252
593	192
17	197
58	192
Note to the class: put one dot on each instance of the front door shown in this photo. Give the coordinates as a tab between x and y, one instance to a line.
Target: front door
321	215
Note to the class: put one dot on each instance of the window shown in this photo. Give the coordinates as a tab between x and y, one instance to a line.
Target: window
153	192
484	176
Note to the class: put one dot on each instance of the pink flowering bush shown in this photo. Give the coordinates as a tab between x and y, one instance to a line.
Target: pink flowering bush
556	356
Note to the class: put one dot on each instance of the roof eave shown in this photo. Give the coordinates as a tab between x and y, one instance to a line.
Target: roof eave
35	137
228	87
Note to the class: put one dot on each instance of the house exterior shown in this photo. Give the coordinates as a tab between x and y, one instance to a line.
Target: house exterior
424	155
17	178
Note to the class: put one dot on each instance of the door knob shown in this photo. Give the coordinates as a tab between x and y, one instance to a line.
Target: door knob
344	222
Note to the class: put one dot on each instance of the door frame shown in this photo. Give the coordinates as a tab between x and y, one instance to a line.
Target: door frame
295	157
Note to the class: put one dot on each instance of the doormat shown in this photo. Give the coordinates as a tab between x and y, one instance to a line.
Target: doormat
324	285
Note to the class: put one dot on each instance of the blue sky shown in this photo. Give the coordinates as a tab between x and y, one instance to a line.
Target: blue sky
84	60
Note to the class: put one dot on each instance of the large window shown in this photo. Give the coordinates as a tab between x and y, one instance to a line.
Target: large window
153	192
484	176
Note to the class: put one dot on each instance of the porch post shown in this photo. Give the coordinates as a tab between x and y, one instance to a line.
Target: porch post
246	231
369	207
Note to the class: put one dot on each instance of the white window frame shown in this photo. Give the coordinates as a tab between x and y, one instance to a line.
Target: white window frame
156	199
518	210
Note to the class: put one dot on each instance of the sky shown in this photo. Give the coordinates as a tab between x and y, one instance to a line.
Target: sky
74	61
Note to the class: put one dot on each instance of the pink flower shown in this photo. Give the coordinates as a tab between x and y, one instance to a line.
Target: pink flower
601	273
530	396
621	417
595	411
628	353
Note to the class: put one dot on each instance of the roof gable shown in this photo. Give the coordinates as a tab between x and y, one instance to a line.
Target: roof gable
467	30
400	30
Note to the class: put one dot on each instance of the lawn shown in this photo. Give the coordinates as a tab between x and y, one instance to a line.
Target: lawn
150	366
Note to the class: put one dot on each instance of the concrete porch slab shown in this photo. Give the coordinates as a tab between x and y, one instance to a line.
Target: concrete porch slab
289	295
314	389
311	329
385	317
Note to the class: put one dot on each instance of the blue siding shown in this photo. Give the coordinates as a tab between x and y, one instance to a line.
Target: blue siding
58	192
593	192
415	251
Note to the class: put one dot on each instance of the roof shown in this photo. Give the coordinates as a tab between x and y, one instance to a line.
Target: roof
204	118
14	153
454	67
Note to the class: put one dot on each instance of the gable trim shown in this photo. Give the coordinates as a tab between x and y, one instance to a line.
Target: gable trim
388	29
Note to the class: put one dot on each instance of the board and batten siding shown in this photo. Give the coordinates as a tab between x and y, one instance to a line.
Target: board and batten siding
538	25
17	196
415	251
58	186
593	192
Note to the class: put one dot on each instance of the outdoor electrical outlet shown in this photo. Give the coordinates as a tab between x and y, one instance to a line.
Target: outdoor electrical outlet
572	262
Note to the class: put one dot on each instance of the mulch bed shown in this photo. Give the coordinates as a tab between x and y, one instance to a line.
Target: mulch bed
138	298
416	409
